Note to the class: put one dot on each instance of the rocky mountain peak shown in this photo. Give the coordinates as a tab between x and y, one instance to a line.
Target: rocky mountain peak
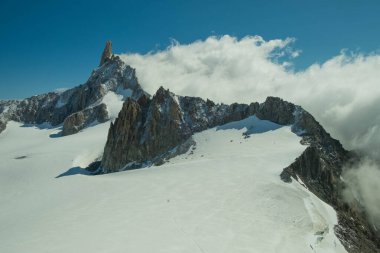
277	110
80	106
107	52
161	94
144	130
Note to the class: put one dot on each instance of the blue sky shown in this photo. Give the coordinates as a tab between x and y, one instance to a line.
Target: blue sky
46	45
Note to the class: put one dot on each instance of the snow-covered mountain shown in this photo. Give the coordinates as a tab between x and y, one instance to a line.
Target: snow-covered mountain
263	177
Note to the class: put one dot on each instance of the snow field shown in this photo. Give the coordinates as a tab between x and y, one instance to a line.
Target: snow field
223	195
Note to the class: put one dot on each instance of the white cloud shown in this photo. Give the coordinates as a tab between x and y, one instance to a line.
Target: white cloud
343	93
364	187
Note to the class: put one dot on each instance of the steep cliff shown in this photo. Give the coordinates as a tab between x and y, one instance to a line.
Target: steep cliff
320	169
107	53
147	130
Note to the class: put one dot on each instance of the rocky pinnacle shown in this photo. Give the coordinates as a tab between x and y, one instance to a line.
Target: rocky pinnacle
107	52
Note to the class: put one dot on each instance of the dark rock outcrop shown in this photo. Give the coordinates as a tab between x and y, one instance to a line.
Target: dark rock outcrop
168	120
123	137
277	110
320	168
2	125
354	230
107	53
144	130
147	130
79	120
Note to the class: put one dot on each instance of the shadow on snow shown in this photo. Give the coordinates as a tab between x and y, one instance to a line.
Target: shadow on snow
75	171
91	170
46	125
253	125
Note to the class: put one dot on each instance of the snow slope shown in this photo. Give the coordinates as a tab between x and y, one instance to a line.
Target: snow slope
224	195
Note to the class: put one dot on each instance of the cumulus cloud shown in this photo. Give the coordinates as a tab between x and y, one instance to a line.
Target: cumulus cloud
343	93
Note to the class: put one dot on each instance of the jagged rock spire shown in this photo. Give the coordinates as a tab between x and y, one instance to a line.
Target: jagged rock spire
107	52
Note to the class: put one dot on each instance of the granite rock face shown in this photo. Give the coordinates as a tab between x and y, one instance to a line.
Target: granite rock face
107	53
79	120
123	138
148	130
167	120
144	130
276	110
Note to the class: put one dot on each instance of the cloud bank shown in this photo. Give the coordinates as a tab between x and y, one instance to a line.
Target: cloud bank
343	93
363	186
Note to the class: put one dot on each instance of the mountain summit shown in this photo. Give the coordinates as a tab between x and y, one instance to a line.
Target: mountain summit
107	53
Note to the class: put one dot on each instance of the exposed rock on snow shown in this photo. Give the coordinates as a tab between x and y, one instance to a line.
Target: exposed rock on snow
149	128
143	130
79	120
2	125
